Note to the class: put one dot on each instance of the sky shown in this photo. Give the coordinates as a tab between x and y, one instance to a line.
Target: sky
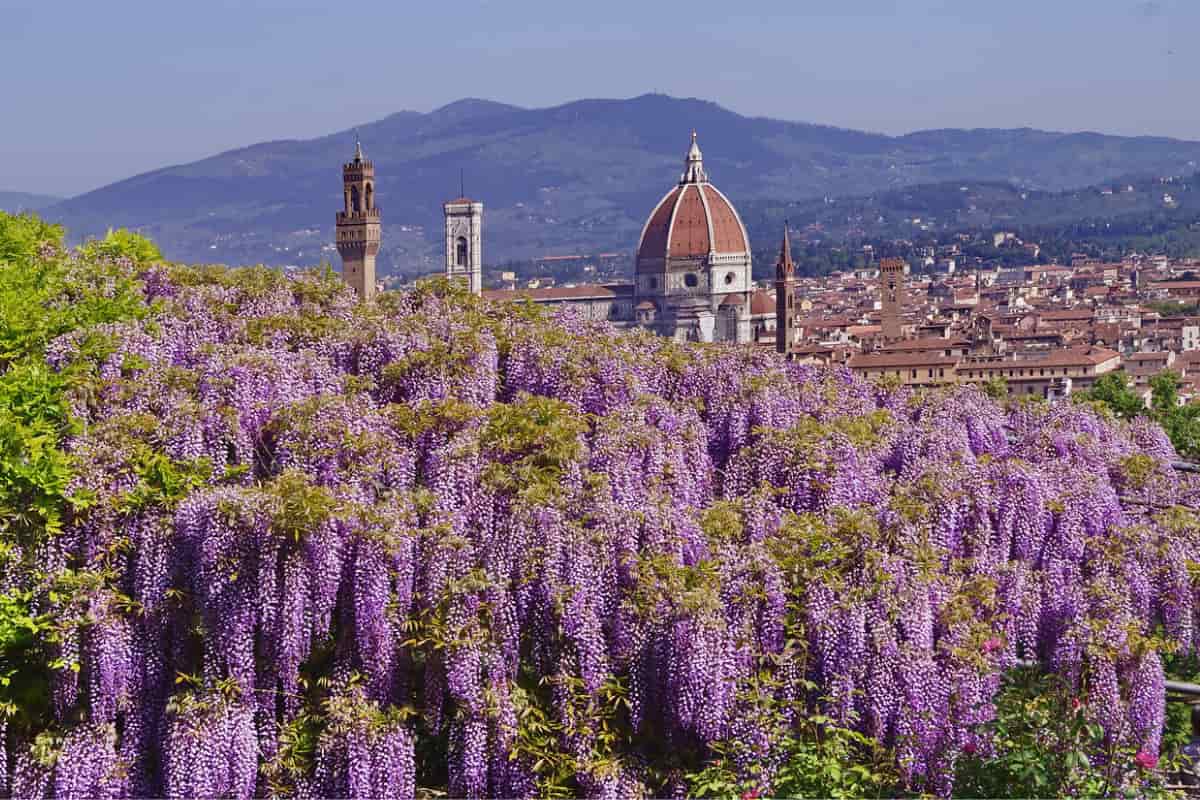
96	92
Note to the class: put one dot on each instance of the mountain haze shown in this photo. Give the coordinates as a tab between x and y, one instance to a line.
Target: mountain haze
578	177
16	202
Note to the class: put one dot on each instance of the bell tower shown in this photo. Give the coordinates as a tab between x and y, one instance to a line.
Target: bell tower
464	242
785	297
891	288
358	225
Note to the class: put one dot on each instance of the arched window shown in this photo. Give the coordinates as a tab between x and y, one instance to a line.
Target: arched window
370	197
691	280
354	199
460	251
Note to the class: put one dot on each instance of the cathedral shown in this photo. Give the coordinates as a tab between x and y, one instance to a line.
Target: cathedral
692	270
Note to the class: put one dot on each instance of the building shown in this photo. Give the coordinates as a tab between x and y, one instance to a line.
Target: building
692	276
464	242
914	368
359	225
891	288
785	297
1048	375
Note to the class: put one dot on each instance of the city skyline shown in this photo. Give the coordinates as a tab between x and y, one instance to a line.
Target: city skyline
202	82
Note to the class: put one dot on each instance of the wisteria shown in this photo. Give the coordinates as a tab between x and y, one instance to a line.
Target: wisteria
333	549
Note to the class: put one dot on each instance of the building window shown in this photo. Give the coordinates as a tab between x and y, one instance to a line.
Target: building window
690	280
653	283
729	276
460	251
354	199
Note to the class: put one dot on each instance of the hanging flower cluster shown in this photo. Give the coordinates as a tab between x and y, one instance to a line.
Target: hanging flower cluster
343	550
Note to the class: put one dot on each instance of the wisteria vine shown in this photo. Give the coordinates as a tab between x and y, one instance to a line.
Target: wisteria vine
343	550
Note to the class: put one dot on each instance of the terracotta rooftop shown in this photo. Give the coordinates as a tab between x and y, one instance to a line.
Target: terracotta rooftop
690	222
583	292
913	359
929	343
762	303
1073	314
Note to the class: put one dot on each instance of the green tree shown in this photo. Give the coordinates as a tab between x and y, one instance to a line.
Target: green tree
1164	392
123	243
1181	422
1112	390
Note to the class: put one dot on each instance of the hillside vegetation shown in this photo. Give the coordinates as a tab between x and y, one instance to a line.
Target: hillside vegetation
580	177
259	538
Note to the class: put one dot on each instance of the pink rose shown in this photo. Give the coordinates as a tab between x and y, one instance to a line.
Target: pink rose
992	645
1145	760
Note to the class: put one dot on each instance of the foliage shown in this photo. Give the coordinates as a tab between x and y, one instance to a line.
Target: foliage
1181	422
262	538
122	243
1043	744
1113	390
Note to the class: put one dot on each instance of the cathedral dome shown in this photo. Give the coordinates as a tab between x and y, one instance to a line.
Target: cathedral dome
693	220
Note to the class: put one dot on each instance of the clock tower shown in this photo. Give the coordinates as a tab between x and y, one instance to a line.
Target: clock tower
358	225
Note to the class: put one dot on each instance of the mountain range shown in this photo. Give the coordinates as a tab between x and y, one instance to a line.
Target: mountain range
574	178
16	202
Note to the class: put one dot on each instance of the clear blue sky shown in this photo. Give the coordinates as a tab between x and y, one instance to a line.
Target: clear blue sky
94	92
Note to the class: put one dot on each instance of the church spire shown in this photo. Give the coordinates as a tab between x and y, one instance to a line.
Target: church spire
693	165
358	153
784	267
785	297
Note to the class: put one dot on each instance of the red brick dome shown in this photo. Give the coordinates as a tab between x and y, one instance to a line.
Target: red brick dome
693	219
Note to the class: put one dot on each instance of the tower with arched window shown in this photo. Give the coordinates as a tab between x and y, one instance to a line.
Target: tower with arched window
464	242
358	225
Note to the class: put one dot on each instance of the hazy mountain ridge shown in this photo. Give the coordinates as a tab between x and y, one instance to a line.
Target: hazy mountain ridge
15	202
578	177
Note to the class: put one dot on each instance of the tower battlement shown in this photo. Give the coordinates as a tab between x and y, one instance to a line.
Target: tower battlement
359	225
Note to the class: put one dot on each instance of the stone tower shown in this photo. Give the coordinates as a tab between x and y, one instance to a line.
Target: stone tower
891	286
358	225
785	296
464	242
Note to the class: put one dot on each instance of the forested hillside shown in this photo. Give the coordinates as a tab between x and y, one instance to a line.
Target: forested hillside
261	539
576	178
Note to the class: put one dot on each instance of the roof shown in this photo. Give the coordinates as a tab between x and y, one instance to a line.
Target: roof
915	359
592	291
460	201
1176	285
693	219
1062	357
762	303
1067	315
928	343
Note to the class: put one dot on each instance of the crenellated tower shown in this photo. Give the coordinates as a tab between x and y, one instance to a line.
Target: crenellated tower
358	225
785	296
891	286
